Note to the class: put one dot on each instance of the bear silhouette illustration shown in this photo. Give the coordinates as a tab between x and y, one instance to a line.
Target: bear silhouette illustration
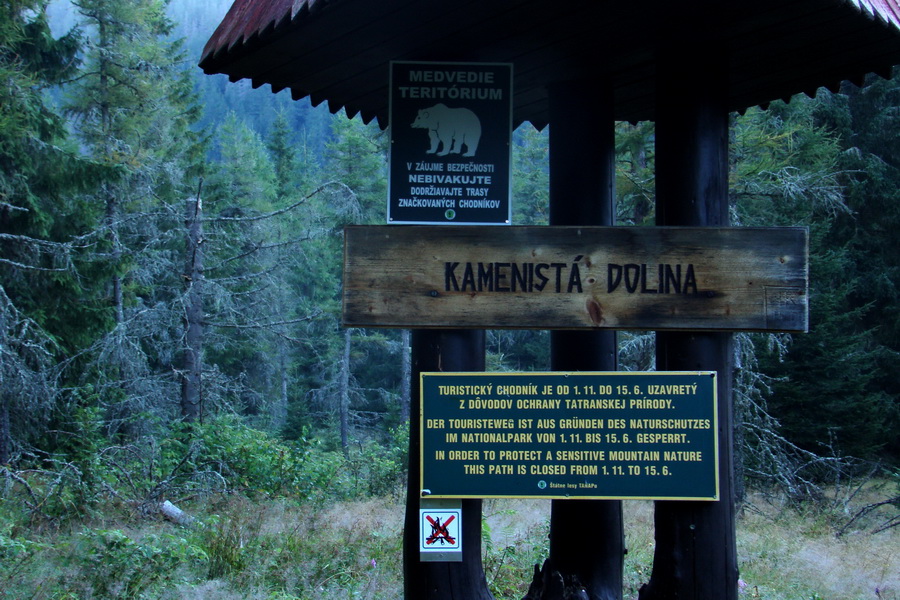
449	129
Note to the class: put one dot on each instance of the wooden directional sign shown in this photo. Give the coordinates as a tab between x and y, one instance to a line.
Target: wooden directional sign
728	279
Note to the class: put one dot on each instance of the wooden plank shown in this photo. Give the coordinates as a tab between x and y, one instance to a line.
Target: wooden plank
676	278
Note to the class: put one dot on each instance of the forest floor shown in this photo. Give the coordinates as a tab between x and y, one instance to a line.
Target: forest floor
280	550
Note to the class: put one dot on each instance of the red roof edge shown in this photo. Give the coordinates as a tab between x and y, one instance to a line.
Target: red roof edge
888	11
247	19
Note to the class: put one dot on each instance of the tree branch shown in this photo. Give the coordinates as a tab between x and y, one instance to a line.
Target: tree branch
281	211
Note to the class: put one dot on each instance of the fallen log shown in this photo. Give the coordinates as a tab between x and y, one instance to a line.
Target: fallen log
175	514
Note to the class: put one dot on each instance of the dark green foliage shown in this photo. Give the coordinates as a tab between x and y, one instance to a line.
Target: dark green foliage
531	176
92	254
518	350
826	392
525	350
96	563
379	468
791	166
16	554
865	119
352	383
30	61
253	462
115	566
356	157
44	310
833	391
635	192
133	109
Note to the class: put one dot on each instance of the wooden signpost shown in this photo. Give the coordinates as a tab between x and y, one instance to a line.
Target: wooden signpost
662	278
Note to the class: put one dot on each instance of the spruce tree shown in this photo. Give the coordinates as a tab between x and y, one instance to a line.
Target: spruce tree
133	110
39	225
827	389
865	119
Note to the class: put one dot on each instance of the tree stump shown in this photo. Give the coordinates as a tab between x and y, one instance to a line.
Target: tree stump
549	584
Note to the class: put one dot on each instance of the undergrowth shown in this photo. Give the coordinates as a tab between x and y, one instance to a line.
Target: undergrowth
318	525
266	548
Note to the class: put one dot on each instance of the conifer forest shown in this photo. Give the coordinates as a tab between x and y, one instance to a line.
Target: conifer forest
170	313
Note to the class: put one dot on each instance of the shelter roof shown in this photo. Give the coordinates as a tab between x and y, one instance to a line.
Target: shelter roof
339	50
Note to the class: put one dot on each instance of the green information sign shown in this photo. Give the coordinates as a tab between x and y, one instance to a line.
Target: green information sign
618	435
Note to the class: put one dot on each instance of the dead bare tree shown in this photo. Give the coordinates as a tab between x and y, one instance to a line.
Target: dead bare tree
235	276
191	361
27	375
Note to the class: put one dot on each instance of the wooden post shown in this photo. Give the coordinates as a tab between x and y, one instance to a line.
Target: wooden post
441	350
695	556
582	185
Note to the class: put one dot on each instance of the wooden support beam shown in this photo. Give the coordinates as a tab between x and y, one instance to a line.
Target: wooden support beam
582	192
695	555
441	350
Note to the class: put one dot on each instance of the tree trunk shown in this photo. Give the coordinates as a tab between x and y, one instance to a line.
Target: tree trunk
5	433
406	373
111	202
441	350
175	514
344	395
191	363
695	555
279	417
112	218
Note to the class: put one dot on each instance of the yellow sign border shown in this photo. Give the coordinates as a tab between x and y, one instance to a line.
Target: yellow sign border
715	427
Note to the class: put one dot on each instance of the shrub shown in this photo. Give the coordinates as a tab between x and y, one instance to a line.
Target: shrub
112	565
253	461
15	555
379	469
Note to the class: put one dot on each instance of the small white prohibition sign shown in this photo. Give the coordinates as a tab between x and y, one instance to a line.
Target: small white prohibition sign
440	530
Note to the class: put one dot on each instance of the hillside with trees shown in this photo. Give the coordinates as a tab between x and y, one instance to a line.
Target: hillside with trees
170	279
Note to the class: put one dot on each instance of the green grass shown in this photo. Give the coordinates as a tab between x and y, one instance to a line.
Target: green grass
282	549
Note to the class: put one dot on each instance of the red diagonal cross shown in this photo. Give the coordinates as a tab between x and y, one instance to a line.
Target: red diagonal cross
438	531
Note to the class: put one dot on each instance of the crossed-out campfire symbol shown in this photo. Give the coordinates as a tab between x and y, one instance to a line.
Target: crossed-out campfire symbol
439	531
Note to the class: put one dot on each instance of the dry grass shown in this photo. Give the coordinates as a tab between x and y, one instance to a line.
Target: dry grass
279	550
335	550
782	555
